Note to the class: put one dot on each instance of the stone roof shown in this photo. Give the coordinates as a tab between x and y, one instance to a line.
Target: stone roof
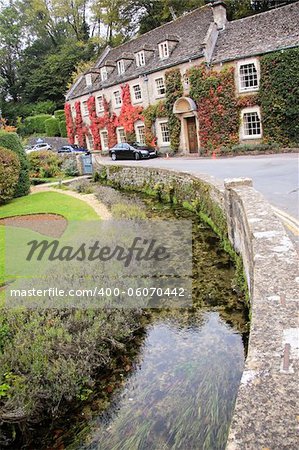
186	35
258	34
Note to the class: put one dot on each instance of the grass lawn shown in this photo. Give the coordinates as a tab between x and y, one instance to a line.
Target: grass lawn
43	202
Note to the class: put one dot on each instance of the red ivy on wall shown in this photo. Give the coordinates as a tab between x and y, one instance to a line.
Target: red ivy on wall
81	128
109	121
129	114
94	123
70	128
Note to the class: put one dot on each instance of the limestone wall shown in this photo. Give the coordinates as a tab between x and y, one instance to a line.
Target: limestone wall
265	415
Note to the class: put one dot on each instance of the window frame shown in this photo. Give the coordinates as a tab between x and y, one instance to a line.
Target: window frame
159	95
241	78
119	139
136	100
103	140
104	74
140	58
121	67
100	106
117	104
164	143
164	50
140	139
85	111
243	135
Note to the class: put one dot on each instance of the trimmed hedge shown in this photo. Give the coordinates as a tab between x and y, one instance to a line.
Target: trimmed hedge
12	142
59	114
62	128
52	127
36	124
9	174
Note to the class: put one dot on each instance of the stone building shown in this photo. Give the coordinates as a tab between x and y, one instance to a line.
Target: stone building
201	36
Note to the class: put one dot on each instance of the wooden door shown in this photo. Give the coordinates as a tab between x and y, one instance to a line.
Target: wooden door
192	135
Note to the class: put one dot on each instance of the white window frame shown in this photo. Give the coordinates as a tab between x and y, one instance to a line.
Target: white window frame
241	78
117	99
120	138
158	94
88	79
104	140
164	50
140	58
140	137
139	99
104	74
243	135
100	104
121	67
163	142
85	111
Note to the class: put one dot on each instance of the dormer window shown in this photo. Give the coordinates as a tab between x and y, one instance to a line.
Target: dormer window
164	50
104	74
248	76
140	58
88	80
120	67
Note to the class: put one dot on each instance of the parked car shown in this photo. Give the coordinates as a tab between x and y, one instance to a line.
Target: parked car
72	148
131	151
40	146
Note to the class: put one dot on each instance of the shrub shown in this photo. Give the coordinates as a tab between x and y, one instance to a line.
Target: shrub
69	167
36	124
83	187
52	127
62	128
250	148
124	211
12	142
9	175
44	164
45	107
59	114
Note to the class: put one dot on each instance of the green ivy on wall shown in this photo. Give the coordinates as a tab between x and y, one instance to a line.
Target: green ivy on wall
174	90
279	96
150	114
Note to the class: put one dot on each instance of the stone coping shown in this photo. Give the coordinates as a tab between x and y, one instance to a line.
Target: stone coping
265	415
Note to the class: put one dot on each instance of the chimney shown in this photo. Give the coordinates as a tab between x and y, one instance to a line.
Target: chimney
219	12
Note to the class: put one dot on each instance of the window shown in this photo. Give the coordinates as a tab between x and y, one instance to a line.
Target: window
140	134
117	98
248	77
251	125
88	79
85	108
186	81
140	59
100	101
121	135
165	132
160	87
104	74
137	92
104	140
120	67
164	50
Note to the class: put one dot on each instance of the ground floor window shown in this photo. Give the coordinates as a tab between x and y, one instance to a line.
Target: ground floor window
165	132
251	124
140	134
104	140
121	135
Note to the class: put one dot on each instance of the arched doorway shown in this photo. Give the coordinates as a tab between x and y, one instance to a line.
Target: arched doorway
186	110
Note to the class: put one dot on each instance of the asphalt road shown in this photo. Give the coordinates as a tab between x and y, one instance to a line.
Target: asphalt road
275	176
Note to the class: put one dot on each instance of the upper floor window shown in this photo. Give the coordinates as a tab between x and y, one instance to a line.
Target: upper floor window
100	101
137	92
121	67
163	50
85	108
160	87
251	121
117	98
104	74
248	77
88	79
140	59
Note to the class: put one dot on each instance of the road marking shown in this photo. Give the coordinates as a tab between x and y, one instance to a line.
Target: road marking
290	222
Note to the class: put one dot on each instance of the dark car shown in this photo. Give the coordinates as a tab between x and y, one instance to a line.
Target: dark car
72	148
131	151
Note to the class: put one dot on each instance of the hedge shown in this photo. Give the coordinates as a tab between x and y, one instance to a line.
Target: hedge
62	128
52	127
9	174
44	164
59	114
12	142
36	124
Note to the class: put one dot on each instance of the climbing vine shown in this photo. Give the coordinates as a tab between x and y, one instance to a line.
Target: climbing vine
94	123
150	114
218	112
278	96
129	114
174	90
81	128
70	128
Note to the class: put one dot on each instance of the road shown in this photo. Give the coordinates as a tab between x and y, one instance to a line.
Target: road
275	176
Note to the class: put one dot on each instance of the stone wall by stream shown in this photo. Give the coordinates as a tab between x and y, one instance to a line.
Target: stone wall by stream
265	415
